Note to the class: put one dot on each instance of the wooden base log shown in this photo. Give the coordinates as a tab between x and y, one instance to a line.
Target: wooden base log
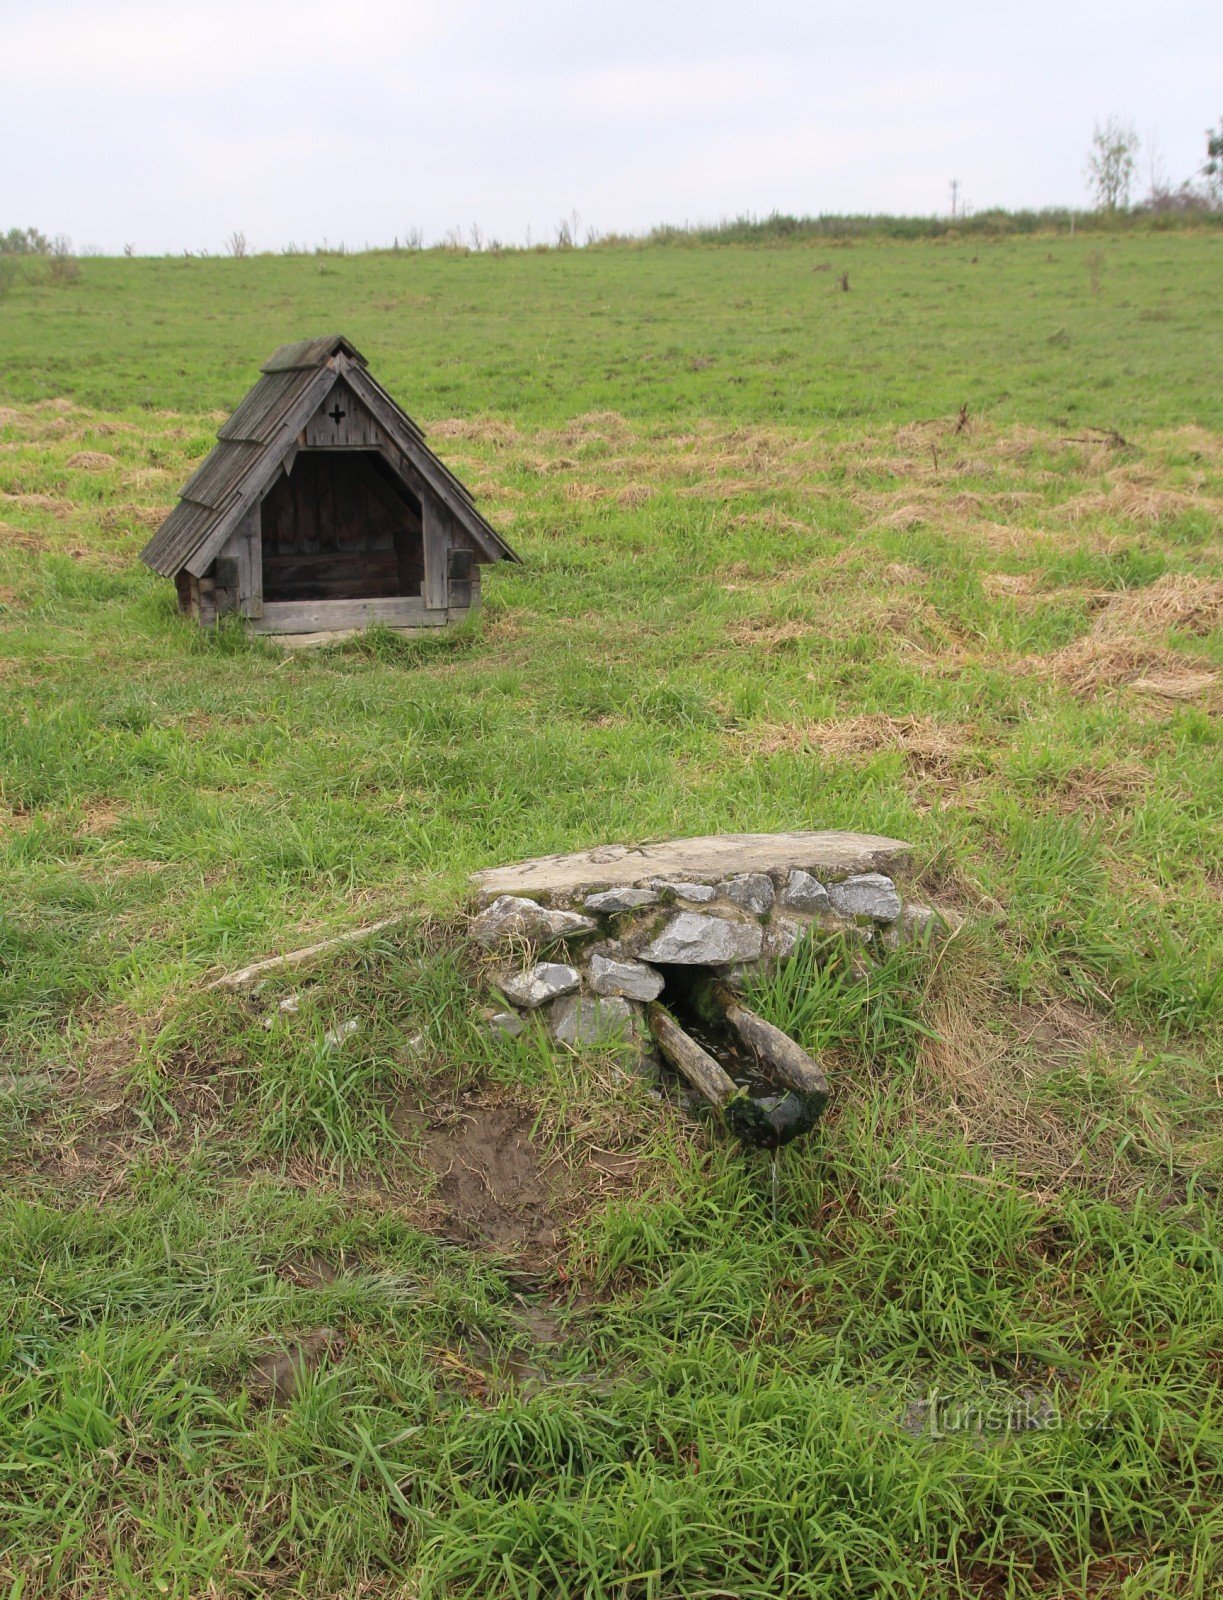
749	1119
778	1054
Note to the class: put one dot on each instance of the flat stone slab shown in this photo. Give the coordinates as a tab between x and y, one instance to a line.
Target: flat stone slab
828	857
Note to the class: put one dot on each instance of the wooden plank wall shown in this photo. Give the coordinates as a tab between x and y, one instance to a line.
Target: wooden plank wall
244	549
337	527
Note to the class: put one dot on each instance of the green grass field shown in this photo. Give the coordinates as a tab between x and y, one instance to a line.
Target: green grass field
248	1346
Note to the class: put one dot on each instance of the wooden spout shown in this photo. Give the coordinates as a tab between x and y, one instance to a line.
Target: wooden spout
747	1118
779	1056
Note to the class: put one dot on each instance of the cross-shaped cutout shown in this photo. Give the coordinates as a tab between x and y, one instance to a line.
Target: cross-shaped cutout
337	416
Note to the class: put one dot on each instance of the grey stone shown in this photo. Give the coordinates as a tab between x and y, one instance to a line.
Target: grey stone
751	890
802	892
869	896
546	981
578	1020
696	940
335	1037
512	917
611	901
697	893
918	922
706	860
633	979
781	937
506	1024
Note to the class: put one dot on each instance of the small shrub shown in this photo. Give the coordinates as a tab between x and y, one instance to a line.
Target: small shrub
62	264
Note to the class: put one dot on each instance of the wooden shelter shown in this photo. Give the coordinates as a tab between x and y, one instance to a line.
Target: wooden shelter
321	509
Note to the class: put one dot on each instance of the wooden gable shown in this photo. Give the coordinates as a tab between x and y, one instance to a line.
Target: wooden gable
343	422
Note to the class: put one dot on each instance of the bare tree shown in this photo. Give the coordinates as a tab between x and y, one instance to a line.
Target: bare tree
235	245
1212	170
1111	160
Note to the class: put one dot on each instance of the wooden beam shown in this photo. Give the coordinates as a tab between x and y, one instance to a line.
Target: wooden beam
324	616
436	586
781	1057
295	958
705	1074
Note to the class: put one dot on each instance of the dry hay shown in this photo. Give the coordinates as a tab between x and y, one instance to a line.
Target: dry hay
1205	443
92	461
898	617
902	519
1019	442
768	635
919	433
580	493
141	477
1120	649
1103	790
488	430
594	427
899	572
772	519
1091	665
1009	584
38	502
1177	600
634	494
982	1080
721	489
1176	684
1131	502
123	519
929	747
545	466
20	538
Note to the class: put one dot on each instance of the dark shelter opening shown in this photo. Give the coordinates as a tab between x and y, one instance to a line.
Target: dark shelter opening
341	526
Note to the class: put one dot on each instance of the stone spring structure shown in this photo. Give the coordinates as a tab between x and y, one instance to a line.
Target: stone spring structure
590	941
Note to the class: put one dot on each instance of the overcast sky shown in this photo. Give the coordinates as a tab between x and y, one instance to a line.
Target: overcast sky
170	123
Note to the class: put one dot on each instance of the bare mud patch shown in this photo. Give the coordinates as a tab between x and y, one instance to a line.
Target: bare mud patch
496	1185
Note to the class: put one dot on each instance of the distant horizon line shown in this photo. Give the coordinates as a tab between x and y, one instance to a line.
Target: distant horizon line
776	227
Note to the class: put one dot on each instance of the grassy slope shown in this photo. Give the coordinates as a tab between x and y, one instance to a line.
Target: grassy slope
766	585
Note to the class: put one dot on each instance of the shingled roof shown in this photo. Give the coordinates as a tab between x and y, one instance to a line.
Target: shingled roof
253	443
